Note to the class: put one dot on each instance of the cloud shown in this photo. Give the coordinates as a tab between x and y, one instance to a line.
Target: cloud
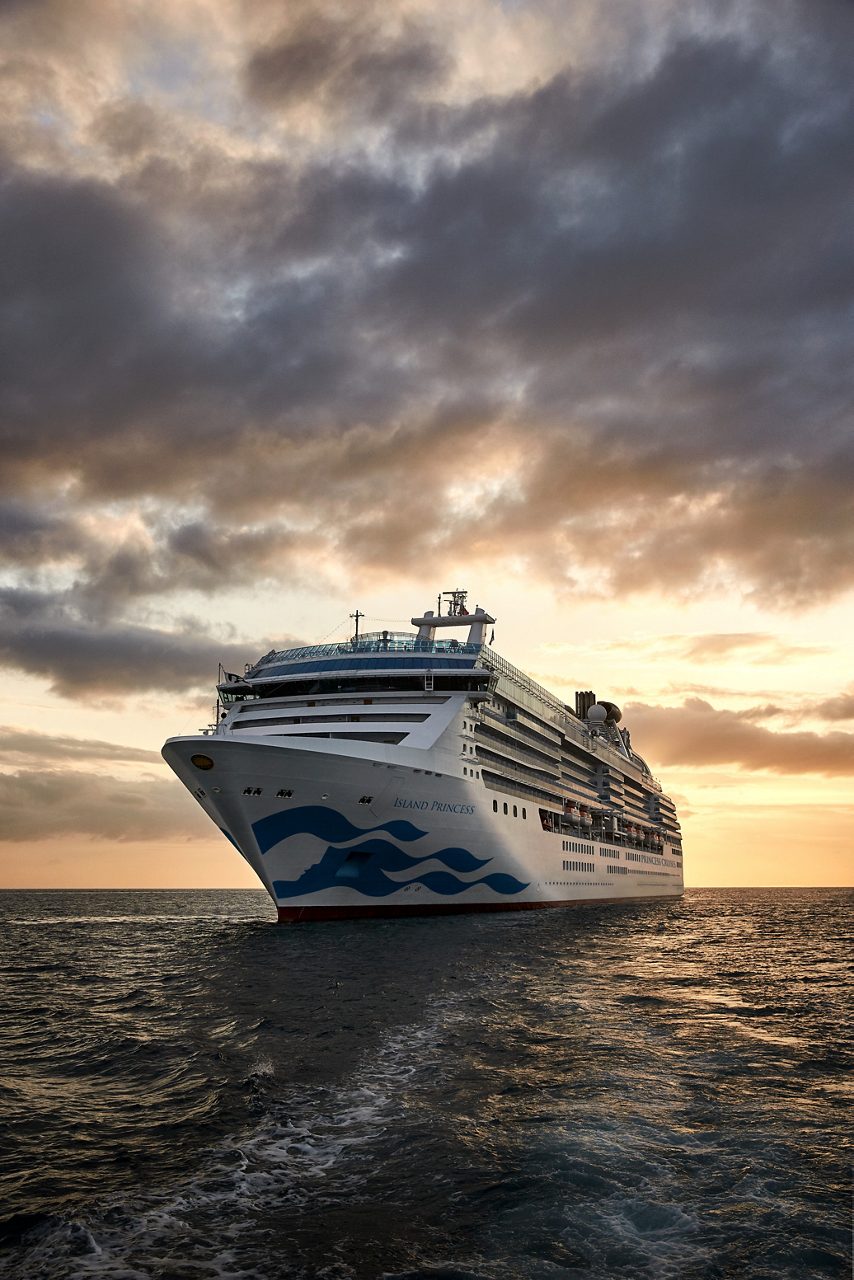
78	659
346	62
840	707
26	746
699	734
30	535
43	804
710	648
755	646
275	290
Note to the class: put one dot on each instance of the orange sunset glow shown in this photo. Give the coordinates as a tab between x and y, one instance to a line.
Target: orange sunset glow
318	307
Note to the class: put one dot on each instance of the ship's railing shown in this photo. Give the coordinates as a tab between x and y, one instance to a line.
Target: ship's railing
565	722
392	643
505	668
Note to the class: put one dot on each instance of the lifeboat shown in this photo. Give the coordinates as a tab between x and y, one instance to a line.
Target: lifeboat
586	820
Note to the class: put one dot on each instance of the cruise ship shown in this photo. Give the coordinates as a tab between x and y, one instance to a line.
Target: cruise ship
408	773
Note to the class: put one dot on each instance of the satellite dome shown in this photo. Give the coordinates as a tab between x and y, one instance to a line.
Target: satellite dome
597	714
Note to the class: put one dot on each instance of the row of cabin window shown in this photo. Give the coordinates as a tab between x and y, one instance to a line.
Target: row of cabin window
656	862
471	773
578	866
515	809
575	846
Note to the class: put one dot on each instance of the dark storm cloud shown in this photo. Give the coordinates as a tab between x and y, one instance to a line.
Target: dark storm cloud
616	297
345	62
88	340
39	805
30	535
194	556
47	638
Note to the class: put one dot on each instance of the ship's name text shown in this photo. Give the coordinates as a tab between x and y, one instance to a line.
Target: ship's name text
434	806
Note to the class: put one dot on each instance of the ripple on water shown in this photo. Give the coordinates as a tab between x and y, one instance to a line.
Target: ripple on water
578	1094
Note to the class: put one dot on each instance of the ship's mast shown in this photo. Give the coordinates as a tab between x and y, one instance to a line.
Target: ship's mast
457	616
456	602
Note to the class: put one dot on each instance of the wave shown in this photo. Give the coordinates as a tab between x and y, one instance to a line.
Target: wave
394	859
325	823
363	868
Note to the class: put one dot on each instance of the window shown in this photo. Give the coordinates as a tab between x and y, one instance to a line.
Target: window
495	806
505	807
524	813
515	812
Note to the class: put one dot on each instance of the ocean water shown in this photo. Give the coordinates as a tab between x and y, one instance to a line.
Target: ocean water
190	1091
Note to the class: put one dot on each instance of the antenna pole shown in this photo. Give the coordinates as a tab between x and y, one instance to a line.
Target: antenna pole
357	615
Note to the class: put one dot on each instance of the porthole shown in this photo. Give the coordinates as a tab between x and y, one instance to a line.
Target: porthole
202	762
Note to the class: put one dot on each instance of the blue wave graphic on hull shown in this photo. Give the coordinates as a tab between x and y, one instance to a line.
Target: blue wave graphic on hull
325	823
363	866
444	883
393	859
365	872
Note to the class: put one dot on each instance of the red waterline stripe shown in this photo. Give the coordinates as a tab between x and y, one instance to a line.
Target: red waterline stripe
301	915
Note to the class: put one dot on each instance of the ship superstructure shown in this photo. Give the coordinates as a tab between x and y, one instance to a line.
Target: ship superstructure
416	772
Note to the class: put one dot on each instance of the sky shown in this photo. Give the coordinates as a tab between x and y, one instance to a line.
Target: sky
318	306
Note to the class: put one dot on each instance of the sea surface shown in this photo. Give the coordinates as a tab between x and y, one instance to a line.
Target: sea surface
188	1090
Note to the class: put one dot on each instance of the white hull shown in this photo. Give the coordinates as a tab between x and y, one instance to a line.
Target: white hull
335	831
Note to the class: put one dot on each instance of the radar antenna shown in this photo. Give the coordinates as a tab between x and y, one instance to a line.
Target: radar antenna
456	602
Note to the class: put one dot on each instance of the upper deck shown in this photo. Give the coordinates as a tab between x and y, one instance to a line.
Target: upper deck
407	660
374	651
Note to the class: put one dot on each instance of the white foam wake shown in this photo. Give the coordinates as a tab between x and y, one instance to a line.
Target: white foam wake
310	1150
